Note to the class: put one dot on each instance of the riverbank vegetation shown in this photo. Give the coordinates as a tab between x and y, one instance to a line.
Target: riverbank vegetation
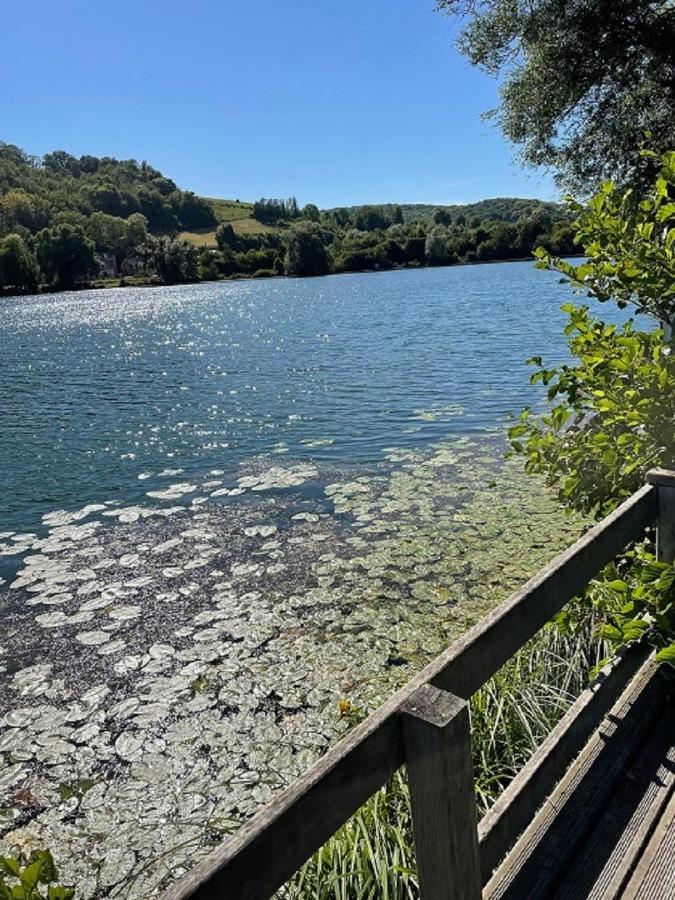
372	855
68	222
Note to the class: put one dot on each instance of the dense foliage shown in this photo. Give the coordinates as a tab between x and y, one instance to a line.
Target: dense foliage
581	81
39	193
31	877
65	221
612	411
61	216
274	210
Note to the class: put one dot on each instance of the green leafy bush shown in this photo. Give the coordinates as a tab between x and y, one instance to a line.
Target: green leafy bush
31	877
611	413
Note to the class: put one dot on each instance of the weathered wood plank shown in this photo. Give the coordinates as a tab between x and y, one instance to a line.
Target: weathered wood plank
654	875
664	481
503	824
543	853
604	863
437	740
268	849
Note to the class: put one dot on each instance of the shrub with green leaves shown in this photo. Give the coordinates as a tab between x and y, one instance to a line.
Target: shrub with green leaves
630	245
32	877
611	413
637	597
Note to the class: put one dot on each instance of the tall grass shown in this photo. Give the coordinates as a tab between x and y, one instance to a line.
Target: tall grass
371	857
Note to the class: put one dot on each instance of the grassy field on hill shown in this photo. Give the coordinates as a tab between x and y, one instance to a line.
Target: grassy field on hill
237	212
229	210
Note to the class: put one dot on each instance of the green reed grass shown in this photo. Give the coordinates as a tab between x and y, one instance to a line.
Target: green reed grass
372	857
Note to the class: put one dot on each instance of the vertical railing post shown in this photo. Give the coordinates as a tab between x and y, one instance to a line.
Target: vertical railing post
437	741
664	481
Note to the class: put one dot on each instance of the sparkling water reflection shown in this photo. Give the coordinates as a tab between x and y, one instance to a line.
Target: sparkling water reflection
100	389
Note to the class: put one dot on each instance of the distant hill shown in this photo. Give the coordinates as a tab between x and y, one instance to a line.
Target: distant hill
239	214
500	209
67	221
59	187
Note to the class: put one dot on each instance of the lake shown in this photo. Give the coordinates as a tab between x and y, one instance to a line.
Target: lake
229	507
101	387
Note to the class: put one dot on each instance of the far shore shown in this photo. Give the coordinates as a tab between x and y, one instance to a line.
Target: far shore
139	281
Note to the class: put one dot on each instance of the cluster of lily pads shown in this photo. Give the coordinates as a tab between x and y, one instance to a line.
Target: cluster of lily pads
167	667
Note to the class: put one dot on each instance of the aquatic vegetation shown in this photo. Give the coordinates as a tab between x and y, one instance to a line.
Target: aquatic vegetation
170	666
372	855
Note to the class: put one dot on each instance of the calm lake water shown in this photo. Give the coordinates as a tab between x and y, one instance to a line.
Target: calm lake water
100	389
240	505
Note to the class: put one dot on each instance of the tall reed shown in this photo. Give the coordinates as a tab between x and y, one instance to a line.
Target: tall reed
372	857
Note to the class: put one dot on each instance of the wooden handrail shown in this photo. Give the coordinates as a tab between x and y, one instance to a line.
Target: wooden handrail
261	856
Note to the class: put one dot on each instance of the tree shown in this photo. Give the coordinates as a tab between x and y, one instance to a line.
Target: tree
436	247
306	253
135	232
106	198
274	210
225	236
106	231
311	212
18	268
442	217
208	266
581	82
18	208
191	211
175	262
66	255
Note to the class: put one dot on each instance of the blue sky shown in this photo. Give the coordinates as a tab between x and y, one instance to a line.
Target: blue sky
356	101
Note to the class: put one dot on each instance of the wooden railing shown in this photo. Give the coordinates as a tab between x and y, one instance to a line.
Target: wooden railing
426	726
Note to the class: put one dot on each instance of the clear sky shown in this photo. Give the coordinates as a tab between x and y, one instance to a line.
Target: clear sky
335	101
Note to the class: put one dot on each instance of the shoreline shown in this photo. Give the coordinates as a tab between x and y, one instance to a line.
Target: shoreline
138	282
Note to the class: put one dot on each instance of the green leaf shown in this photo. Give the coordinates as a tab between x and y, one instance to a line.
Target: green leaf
617	585
10	866
667	655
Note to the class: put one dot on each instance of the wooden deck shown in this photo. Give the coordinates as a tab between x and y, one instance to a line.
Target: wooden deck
607	829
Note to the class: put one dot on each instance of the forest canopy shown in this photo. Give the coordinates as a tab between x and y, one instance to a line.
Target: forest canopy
67	221
582	83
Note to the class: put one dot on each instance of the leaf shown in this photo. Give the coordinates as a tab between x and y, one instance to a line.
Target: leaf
667	655
10	866
59	892
616	585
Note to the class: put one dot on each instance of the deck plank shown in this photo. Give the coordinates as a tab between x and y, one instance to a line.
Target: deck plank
540	858
654	876
620	836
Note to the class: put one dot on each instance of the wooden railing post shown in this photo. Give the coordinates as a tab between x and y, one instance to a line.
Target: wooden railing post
664	481
437	742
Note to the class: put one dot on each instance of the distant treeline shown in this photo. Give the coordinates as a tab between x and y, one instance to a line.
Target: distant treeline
66	221
376	238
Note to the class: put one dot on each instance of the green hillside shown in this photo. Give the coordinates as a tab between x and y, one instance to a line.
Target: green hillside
67	221
499	209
